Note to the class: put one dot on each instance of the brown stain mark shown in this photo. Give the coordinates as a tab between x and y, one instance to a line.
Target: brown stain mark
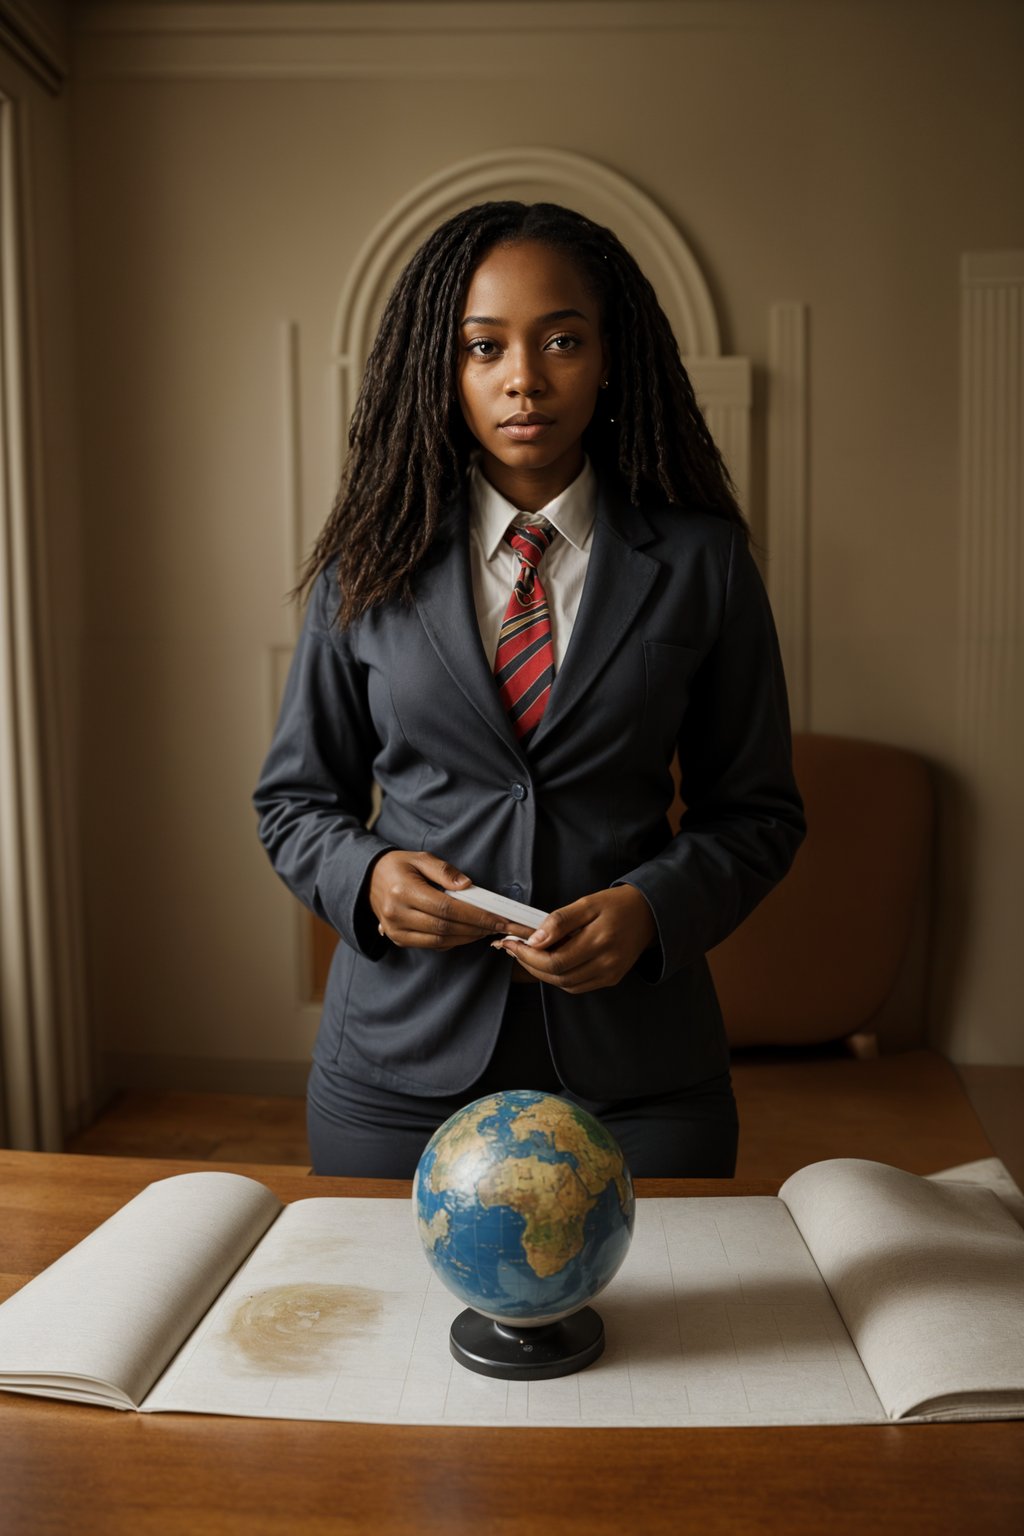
297	1328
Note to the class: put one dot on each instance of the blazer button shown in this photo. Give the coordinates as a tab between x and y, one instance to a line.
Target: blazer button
515	891
518	791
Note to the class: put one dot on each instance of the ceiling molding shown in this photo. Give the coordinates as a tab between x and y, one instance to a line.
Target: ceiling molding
406	16
401	40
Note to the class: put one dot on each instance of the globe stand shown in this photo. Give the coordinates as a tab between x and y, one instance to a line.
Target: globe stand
518	1353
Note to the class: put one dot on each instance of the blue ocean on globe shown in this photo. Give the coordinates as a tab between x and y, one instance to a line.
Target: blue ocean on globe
524	1205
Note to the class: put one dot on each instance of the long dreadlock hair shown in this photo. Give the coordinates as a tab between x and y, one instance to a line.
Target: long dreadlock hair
409	446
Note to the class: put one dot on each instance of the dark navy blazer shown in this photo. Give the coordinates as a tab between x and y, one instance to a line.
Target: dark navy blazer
673	648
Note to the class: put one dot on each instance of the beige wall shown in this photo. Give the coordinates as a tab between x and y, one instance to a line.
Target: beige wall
842	154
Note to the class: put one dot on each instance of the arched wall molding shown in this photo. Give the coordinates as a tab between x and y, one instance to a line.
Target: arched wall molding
552	175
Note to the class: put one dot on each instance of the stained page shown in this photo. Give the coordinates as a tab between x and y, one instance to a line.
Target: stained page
718	1316
929	1279
101	1323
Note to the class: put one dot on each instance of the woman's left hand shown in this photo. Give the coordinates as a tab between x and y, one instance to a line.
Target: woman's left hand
589	944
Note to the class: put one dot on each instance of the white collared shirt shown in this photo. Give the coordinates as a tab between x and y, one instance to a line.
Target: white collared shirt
494	564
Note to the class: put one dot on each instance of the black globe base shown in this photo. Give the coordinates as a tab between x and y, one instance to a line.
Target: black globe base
527	1354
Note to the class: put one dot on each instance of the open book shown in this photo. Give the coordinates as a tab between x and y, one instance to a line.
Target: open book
860	1294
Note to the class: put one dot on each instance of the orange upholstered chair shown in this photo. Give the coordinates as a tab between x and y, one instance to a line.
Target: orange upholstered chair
823	988
843	936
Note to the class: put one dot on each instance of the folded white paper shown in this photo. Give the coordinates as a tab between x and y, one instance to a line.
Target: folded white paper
501	906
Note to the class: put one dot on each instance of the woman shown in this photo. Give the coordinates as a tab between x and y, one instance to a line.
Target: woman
533	589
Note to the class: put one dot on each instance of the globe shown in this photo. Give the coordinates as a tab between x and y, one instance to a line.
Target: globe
525	1207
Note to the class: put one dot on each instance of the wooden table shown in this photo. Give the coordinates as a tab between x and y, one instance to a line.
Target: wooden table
96	1472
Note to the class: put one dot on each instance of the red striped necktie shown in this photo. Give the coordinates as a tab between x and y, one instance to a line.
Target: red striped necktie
524	664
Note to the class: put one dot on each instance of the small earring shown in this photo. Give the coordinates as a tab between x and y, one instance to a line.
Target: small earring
604	383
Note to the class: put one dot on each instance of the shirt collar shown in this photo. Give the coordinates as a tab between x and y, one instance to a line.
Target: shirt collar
571	512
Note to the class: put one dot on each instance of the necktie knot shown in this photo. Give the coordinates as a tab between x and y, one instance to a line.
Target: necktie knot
524	665
529	544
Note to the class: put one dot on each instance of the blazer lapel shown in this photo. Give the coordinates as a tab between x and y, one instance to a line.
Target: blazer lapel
444	601
619	577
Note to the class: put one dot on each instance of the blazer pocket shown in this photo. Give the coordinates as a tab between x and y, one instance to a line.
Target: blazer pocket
668	669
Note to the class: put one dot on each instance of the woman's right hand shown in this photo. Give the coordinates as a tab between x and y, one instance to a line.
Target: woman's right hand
410	900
